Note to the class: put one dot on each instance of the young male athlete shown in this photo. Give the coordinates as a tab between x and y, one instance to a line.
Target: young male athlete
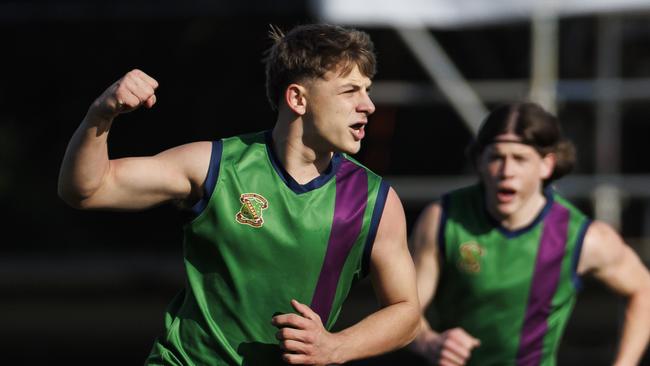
506	253
285	221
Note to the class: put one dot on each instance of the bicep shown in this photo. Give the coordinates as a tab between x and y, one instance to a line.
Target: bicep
392	271
609	259
143	182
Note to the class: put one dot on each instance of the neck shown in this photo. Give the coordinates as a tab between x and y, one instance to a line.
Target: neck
301	161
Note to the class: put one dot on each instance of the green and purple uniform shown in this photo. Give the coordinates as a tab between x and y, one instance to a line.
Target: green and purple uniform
513	290
261	239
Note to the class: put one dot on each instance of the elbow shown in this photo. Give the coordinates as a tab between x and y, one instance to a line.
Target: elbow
412	318
73	198
416	324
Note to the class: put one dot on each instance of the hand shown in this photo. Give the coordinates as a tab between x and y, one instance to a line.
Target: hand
125	95
303	337
449	348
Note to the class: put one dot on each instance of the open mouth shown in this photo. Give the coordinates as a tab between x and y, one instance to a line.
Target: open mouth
506	194
358	130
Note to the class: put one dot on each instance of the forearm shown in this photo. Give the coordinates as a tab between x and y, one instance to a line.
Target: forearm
388	329
636	330
86	161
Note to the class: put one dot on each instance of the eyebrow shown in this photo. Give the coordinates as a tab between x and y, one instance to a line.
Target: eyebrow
355	86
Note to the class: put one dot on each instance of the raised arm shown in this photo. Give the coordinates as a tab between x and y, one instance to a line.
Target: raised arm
454	346
606	256
393	277
88	179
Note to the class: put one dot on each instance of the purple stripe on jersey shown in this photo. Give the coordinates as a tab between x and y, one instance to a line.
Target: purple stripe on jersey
548	266
349	207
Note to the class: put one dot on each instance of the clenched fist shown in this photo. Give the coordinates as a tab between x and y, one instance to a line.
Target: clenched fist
133	90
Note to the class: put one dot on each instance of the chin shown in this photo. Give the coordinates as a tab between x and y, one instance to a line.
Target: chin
351	149
505	210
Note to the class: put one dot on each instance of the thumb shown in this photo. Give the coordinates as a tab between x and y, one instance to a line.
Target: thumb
150	102
475	342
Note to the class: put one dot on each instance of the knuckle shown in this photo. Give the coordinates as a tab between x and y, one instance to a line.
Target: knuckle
456	333
310	351
295	318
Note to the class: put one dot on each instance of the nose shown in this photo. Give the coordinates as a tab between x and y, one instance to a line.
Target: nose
366	105
507	167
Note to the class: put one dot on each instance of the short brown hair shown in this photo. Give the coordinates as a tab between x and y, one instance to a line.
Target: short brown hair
309	51
535	126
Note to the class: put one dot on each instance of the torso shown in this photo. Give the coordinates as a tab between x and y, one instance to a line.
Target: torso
514	290
261	240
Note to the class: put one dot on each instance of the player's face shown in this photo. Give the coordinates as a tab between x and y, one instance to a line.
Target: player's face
337	111
513	175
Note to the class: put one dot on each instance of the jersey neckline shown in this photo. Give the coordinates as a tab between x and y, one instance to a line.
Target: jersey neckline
548	194
291	183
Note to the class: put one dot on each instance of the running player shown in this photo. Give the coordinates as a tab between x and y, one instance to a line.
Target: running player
285	221
506	254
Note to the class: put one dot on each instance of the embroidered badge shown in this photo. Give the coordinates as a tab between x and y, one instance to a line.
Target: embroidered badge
470	257
250	212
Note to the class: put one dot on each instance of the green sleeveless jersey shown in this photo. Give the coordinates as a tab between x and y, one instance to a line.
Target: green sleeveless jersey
513	290
261	239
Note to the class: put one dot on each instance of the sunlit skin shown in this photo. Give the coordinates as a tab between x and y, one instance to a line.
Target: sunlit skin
337	111
513	175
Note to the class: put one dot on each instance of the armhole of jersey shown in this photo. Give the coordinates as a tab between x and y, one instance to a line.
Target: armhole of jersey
442	246
380	202
210	179
577	250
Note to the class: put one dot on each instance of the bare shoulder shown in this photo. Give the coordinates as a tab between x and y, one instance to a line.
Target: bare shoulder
430	214
393	204
392	217
609	259
193	159
425	231
602	246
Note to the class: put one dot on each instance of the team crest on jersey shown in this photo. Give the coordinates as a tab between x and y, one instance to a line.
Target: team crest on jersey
251	209
470	257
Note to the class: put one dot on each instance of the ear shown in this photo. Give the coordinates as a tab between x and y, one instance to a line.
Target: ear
548	165
294	96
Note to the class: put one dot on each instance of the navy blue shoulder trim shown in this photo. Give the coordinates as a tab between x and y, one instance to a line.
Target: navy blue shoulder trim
442	246
211	179
577	250
380	202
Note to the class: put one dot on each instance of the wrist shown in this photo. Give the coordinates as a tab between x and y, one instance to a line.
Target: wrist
338	354
100	113
97	119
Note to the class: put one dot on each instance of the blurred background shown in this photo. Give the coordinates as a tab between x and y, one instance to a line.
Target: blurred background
79	287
